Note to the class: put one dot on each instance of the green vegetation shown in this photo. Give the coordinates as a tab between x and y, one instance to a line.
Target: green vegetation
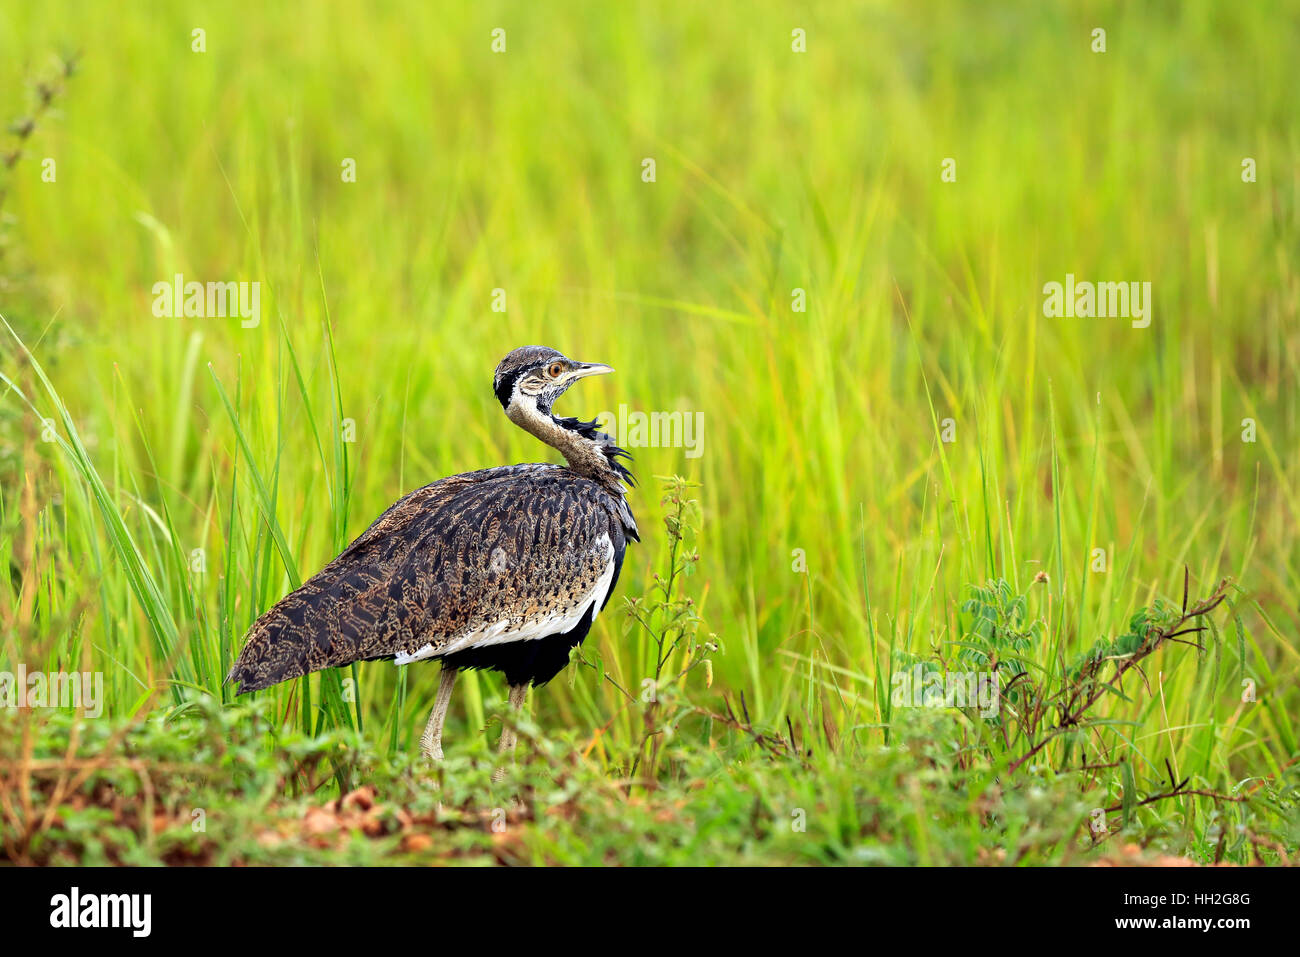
1106	488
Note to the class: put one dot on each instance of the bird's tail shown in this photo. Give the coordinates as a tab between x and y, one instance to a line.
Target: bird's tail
299	635
267	658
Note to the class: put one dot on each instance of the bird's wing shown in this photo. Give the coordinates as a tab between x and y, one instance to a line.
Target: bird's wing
500	555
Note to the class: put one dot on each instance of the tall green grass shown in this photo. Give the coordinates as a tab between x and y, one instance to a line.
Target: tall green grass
775	170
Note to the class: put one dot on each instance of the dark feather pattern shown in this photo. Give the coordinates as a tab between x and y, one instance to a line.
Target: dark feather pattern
505	547
612	452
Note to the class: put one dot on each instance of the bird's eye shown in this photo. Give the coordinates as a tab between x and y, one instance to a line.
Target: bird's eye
555	369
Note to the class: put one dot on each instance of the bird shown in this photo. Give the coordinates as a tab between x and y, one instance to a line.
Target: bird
503	568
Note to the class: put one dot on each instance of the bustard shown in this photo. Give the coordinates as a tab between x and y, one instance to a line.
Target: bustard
504	568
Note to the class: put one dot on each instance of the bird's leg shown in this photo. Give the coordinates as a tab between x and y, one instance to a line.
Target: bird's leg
431	740
517	695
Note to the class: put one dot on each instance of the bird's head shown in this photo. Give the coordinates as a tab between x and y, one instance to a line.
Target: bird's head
527	383
531	378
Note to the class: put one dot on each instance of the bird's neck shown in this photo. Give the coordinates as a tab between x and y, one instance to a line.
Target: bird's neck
588	452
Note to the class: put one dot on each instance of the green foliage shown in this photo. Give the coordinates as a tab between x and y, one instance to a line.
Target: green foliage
164	481
1142	627
999	629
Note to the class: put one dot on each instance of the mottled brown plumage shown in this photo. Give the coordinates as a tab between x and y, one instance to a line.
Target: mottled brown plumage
502	544
503	568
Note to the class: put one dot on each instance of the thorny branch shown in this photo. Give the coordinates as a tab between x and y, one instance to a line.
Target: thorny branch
1074	701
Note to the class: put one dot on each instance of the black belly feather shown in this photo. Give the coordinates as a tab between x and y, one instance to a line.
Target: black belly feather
538	660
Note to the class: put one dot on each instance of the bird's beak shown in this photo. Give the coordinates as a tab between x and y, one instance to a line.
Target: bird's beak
584	369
